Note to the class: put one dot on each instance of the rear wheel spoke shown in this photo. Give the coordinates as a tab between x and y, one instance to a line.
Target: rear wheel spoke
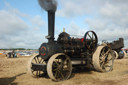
35	60
107	65
41	60
38	59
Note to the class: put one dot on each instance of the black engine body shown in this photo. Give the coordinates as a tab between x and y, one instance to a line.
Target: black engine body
48	49
73	47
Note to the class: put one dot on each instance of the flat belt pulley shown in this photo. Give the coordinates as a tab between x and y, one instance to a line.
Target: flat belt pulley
91	40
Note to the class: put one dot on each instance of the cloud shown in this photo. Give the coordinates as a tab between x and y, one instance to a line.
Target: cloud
74	8
108	18
37	22
14	11
19	30
75	30
111	21
9	23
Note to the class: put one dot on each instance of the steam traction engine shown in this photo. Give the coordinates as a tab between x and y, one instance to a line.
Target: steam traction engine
117	46
57	58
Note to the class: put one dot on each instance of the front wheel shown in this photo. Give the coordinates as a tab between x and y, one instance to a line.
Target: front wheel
59	67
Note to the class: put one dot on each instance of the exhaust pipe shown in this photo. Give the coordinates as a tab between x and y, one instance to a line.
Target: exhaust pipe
50	6
51	25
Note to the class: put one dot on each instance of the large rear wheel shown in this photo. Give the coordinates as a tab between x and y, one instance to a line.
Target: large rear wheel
103	59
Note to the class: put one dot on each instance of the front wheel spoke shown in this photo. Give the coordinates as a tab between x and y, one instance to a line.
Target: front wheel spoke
56	74
56	63
55	69
61	74
56	66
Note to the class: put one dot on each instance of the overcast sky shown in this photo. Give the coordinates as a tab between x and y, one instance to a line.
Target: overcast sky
23	24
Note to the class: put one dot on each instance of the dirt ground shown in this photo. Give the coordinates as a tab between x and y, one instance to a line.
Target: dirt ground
13	71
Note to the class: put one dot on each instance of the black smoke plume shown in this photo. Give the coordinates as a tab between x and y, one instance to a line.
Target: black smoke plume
48	5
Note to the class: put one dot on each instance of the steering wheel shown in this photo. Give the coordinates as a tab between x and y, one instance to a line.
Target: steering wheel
91	40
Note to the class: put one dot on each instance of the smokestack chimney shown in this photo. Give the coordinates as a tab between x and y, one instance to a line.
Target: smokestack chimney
51	22
50	6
